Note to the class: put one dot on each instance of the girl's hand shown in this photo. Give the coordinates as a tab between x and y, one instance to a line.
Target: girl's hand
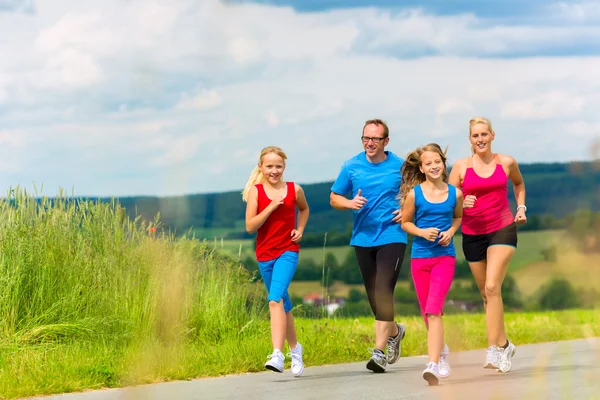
430	234
276	202
520	217
446	238
296	235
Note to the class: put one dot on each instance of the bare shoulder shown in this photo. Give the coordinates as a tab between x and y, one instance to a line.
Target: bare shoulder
298	188
506	160
460	164
459	193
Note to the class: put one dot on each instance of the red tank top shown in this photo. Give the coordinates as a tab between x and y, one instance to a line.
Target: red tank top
275	235
491	211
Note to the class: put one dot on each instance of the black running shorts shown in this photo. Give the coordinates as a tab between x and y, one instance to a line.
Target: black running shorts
475	246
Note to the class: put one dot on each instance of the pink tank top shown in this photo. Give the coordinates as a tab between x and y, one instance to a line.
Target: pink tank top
491	211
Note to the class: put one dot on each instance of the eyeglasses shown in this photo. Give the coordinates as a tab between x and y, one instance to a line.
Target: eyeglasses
374	139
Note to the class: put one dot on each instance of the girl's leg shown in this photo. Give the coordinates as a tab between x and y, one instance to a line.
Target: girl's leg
266	272
420	270
435	337
279	301
290	331
441	277
497	265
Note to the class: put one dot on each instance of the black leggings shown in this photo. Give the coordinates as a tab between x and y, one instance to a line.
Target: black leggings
379	267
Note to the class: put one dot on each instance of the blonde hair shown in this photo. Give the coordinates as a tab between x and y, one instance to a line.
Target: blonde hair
479	120
256	176
411	172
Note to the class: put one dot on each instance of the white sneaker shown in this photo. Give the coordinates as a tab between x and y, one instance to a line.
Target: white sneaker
275	362
296	355
444	365
504	357
432	373
491	358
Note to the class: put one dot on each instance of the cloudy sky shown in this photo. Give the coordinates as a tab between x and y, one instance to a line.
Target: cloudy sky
165	97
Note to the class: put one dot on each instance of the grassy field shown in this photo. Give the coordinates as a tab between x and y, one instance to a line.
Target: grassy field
91	299
582	270
531	243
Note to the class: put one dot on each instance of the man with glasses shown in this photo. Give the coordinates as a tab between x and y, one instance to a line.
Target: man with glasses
373	178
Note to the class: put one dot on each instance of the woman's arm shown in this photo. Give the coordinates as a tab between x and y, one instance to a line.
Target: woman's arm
456	174
515	176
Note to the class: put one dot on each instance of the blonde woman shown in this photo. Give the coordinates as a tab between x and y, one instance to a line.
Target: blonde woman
489	232
271	212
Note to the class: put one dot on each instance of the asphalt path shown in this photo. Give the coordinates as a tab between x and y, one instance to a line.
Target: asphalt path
556	370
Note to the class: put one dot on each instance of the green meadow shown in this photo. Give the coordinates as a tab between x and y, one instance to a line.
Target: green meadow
92	299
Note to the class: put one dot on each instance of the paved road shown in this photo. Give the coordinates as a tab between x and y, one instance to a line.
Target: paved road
559	370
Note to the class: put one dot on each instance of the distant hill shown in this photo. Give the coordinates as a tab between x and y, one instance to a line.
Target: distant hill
553	191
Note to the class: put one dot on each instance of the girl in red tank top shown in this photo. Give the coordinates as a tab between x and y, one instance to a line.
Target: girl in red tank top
489	234
271	212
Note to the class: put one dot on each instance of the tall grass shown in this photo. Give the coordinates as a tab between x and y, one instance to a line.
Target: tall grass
77	269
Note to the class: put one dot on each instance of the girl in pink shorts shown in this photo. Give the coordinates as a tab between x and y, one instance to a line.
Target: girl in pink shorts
432	213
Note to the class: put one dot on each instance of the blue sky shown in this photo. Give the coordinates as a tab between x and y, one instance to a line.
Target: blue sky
167	97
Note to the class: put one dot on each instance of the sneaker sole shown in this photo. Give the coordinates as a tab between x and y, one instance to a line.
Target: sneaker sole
299	373
431	379
373	366
272	368
399	341
490	366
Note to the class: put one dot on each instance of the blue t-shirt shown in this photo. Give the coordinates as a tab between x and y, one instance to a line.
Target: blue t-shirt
433	215
380	185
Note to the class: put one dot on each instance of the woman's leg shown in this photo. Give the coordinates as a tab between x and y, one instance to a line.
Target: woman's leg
497	265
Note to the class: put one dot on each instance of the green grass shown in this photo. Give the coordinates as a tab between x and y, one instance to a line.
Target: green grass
91	299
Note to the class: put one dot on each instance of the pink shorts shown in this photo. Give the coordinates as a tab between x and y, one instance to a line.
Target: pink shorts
432	278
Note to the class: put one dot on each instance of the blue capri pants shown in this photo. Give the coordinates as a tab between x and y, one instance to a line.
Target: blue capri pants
277	275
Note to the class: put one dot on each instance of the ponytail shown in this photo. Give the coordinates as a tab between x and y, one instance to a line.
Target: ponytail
256	177
411	174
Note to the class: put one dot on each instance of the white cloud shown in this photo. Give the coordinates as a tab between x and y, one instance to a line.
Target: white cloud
204	100
578	12
552	104
147	93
